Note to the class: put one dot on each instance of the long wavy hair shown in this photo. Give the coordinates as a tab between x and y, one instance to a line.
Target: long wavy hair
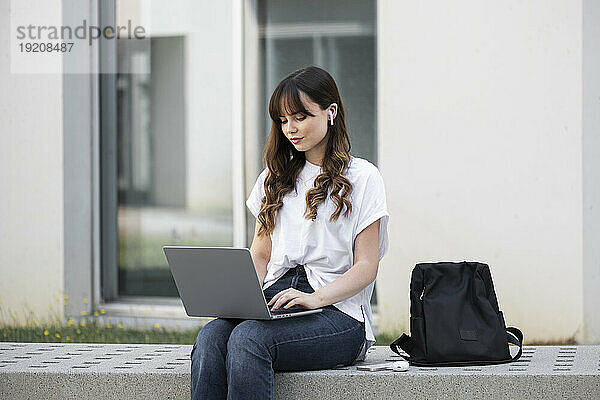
284	162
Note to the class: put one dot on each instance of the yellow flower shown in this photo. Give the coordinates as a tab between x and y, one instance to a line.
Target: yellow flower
85	301
46	332
84	313
176	322
96	313
121	326
57	298
65	302
109	326
15	311
34	321
68	337
157	325
102	311
24	324
82	323
70	322
65	297
57	335
78	330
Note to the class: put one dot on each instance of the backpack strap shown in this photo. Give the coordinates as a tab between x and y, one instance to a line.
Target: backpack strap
405	342
516	338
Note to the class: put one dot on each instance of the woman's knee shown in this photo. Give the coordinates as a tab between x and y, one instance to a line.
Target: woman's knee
248	336
212	335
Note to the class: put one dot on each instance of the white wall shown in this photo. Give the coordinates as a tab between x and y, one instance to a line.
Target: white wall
480	143
31	187
591	170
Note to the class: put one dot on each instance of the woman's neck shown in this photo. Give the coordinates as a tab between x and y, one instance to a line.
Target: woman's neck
315	156
319	163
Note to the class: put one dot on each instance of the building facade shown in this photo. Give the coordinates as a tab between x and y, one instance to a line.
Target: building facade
481	116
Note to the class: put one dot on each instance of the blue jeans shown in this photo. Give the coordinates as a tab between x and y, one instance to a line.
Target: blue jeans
236	358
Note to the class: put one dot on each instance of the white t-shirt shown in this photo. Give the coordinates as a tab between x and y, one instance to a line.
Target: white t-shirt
326	249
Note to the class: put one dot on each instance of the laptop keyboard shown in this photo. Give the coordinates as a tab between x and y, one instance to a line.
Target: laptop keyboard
288	310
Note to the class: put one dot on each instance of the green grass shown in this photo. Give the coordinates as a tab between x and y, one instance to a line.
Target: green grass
89	329
94	332
385	339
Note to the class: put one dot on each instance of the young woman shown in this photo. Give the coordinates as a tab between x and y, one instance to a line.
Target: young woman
321	229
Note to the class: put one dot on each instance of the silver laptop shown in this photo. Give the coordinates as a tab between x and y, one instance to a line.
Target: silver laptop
222	282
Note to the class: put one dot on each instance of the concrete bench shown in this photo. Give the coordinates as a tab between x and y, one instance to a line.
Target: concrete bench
121	371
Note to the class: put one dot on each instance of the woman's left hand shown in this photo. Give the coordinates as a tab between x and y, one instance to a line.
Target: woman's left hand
294	297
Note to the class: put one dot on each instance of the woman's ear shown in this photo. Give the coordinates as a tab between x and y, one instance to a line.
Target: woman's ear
334	109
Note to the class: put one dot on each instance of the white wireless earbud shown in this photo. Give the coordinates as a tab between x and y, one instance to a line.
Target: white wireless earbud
400	366
330	116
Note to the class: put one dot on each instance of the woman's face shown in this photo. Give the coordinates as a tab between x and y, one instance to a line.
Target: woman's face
308	133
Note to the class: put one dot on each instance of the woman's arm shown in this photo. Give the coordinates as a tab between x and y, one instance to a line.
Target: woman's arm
362	273
260	252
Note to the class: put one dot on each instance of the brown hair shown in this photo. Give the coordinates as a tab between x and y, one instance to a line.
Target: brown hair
284	162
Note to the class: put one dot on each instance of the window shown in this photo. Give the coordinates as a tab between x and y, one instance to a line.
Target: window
167	176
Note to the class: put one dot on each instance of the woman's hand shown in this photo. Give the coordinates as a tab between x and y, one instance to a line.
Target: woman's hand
293	297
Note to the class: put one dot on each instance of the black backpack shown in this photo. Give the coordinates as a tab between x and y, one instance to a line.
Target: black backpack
455	319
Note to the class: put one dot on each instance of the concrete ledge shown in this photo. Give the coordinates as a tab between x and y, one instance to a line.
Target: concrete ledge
112	371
